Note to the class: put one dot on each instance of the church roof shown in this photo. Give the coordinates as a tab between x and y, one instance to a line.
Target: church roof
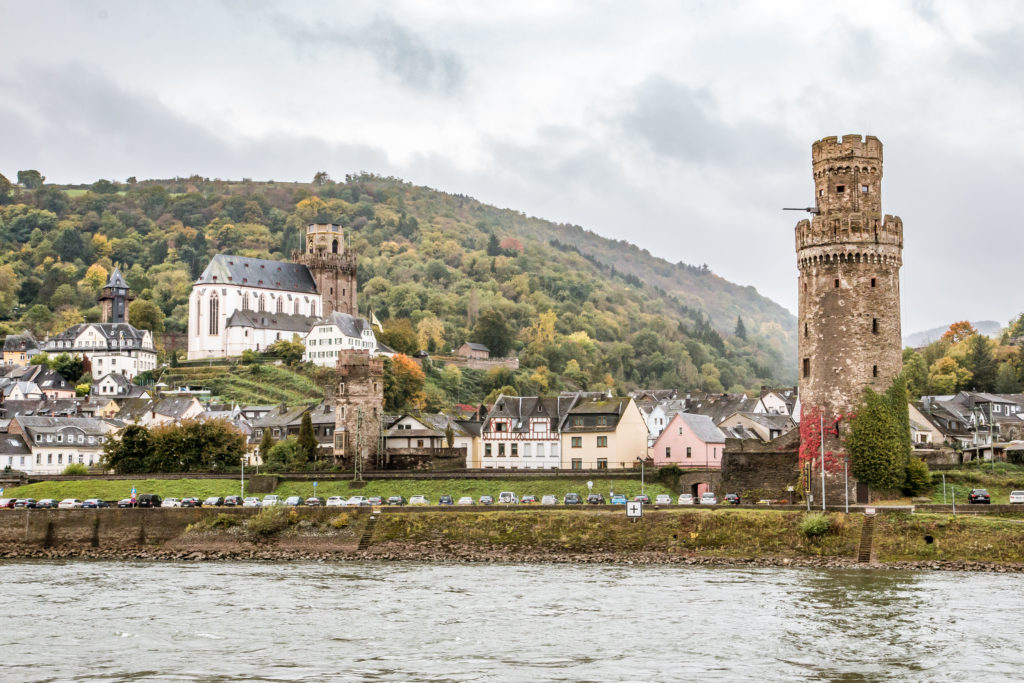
272	321
256	272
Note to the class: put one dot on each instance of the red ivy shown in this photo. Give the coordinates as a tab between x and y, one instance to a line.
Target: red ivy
810	440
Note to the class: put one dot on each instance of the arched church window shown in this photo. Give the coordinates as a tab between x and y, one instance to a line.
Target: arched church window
214	311
263	302
245	301
312	309
295	307
280	305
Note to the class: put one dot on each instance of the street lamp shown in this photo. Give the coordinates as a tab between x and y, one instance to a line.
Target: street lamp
241	480
641	475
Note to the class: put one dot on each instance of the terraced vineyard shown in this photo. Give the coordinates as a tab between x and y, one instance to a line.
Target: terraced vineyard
247	384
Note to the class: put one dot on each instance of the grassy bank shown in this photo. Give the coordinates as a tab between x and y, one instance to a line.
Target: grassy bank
997	478
718	533
900	537
432	488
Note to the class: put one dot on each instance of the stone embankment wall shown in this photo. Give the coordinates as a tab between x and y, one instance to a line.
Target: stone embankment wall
757	470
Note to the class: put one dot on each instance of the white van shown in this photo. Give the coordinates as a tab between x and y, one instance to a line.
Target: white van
270	501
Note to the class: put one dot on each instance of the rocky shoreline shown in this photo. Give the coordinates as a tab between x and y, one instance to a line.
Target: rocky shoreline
431	553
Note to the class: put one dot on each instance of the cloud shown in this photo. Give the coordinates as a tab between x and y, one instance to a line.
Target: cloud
404	55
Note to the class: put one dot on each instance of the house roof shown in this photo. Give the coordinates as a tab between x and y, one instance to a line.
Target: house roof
13	444
117	378
265	320
350	325
116	280
477	347
703	427
52	425
175	407
720	406
20	342
109	331
521	408
226	269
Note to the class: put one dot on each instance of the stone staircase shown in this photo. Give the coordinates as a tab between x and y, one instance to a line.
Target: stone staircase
364	540
867	534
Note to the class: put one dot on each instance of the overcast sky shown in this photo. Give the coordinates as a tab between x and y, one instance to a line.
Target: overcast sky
683	131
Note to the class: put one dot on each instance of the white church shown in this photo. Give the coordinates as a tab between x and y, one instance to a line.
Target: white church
240	303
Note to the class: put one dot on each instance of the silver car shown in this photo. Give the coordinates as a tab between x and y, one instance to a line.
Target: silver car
549	500
685	499
663	499
708	498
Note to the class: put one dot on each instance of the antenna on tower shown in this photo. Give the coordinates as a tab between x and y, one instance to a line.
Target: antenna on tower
809	209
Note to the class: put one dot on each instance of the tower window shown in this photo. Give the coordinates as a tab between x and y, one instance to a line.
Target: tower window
864	189
837	283
807	367
874	371
840	189
821	193
872	282
874	325
805	329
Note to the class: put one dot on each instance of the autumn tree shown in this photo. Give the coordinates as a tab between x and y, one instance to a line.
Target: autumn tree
146	315
403	382
958	332
430	334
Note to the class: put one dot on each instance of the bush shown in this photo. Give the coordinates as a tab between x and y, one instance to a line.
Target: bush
918	479
268	522
221	521
342	520
76	469
815	524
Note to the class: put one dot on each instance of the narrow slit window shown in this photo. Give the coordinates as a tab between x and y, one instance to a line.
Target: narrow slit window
874	325
864	189
872	282
837	283
805	329
874	371
807	367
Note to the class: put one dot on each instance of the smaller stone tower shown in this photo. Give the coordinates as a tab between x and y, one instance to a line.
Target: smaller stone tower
332	267
115	299
358	405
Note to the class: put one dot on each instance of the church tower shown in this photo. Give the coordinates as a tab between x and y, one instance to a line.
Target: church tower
332	267
115	299
849	258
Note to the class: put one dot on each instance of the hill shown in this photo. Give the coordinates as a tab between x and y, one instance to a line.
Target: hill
579	310
989	328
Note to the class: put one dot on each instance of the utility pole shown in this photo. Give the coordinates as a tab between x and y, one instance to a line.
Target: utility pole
357	457
821	427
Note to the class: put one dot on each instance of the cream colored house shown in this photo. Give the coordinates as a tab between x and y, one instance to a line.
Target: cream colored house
603	433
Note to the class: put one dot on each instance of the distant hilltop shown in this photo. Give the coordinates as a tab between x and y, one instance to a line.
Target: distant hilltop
989	328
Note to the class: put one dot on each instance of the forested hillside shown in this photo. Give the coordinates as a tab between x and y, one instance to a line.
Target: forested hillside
438	269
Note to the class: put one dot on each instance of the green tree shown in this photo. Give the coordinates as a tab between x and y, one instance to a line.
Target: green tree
70	367
1006	380
400	335
741	329
321	178
449	435
6	192
875	445
980	363
37	319
128	454
945	376
146	315
283	455
288	351
493	396
307	439
916	373
492	331
30	179
899	405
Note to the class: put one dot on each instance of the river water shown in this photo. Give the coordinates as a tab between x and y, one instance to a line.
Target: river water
107	621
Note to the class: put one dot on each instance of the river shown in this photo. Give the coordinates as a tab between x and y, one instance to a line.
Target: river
112	621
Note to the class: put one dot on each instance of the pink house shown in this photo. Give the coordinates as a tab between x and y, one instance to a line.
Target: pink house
690	441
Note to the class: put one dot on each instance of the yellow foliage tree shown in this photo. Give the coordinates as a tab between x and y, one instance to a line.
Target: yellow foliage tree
96	277
430	333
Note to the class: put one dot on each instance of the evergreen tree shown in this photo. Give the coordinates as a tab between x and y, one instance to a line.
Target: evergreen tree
307	440
741	329
1006	380
980	363
877	456
266	443
896	397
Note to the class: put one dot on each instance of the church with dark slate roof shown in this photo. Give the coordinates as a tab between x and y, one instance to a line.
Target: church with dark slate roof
240	303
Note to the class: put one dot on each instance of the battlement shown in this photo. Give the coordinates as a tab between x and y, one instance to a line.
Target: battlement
849	147
316	228
358	362
853	230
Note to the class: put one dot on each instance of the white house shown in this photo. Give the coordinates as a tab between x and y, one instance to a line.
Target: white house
56	442
523	433
241	303
337	332
109	347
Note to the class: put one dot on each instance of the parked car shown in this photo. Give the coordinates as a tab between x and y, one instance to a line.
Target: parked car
7	502
685	499
293	501
418	500
397	500
1016	497
528	500
732	498
979	496
335	501
663	499
234	501
572	499
375	500
708	498
94	504
314	502
445	500
598	499
357	501
507	498
270	501
25	503
214	501
66	504
191	503
171	503
466	500
549	500
149	500
617	499
643	498
252	502
47	504
126	503
487	500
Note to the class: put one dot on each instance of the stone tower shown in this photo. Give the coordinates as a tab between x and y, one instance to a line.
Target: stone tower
849	257
358	405
115	299
333	268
